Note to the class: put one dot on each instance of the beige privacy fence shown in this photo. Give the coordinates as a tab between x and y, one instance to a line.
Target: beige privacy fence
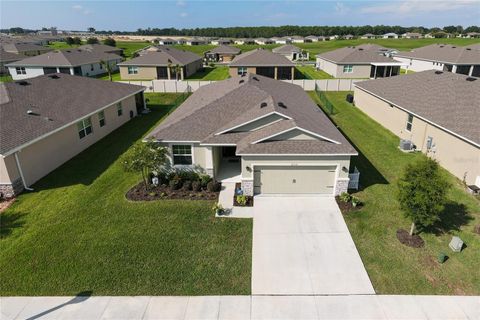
174	86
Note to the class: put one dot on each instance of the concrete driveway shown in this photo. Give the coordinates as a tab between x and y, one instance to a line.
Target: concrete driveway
301	246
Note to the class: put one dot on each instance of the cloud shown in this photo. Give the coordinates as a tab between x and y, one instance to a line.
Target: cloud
183	14
181	3
341	8
77	7
81	9
416	6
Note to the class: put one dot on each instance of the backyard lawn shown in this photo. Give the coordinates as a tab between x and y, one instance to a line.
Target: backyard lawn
76	232
129	47
209	73
393	267
309	72
115	76
6	78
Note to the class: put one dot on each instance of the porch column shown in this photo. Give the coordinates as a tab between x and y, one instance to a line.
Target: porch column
293	73
181	73
168	73
209	161
470	72
454	68
275	73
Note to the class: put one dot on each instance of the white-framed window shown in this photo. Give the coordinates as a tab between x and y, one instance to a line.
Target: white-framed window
84	127
132	70
241	71
409	122
119	109
21	70
101	118
182	154
348	68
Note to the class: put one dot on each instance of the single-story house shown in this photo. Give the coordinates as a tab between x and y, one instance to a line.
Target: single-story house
473	35
196	41
390	35
312	38
291	52
437	111
159	62
102	48
363	61
180	41
446	57
263	41
25	48
244	41
348	37
368	36
70	61
281	40
47	120
267	135
221	54
262	62
334	37
8	57
166	41
412	35
221	41
297	39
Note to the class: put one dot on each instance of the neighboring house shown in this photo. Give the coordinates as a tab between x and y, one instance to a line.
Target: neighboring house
334	37
446	57
429	36
70	61
181	41
25	48
221	54
390	35
221	41
297	39
265	134
363	61
438	111
473	35
282	40
263	41
348	37
263	62
244	41
166	41
368	36
160	62
312	39
412	35
102	48
291	52
196	41
8	57
47	120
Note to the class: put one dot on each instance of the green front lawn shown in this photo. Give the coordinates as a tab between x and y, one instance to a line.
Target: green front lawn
129	47
393	267
6	78
77	232
115	76
211	73
309	72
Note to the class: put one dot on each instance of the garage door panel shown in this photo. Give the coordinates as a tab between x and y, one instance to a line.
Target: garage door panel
294	179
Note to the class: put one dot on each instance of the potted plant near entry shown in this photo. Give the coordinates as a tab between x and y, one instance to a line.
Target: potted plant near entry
218	209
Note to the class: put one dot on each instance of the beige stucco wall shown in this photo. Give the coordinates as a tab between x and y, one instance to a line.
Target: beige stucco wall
454	154
8	170
336	70
200	155
193	67
233	71
45	155
144	73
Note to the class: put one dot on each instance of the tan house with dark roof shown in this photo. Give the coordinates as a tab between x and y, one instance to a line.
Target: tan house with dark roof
267	135
263	62
160	62
444	57
47	120
291	52
221	54
439	112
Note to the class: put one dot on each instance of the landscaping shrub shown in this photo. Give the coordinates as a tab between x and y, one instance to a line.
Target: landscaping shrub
205	179
345	197
188	175
187	185
242	200
175	183
214	186
196	186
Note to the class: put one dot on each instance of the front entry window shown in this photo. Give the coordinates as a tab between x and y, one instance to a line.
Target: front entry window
182	154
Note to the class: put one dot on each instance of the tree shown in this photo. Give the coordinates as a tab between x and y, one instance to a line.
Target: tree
422	193
91	29
108	67
110	42
69	40
92	40
77	40
145	157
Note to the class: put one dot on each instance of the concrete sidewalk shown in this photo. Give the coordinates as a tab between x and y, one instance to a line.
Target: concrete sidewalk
242	307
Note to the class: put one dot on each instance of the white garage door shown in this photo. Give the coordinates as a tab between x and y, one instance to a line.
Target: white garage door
294	179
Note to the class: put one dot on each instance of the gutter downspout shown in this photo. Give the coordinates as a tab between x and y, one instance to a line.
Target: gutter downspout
21	172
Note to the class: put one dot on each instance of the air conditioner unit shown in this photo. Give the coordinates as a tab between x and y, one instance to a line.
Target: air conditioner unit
406	145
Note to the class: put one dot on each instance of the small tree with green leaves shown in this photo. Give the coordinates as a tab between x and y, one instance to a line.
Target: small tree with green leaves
108	67
69	41
110	42
145	157
422	193
92	40
77	40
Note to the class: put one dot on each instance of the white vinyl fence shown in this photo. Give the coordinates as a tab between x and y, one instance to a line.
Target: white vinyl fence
180	86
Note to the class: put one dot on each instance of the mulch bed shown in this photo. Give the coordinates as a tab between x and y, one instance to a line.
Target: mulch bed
163	192
249	198
405	238
346	207
5	203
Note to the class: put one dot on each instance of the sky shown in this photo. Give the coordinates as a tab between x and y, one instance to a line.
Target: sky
131	15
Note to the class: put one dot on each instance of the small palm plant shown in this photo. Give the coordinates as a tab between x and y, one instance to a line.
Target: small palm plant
108	67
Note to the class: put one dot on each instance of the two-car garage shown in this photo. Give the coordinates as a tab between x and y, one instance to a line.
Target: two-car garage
294	179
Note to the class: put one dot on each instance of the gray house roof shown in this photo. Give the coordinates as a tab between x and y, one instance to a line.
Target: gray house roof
100	47
363	54
444	53
261	58
225	50
20	47
162	56
286	49
56	100
65	58
448	100
212	114
10	56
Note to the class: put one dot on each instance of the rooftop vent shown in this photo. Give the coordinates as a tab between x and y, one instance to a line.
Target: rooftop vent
282	105
22	83
263	105
453	47
255	78
241	81
32	113
471	79
438	72
441	46
54	76
360	49
469	49
68	51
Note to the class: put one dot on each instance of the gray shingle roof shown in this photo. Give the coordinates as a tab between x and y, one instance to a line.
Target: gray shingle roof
10	56
100	47
260	58
226	104
363	54
66	58
162	56
444	53
443	98
286	49
225	50
56	103
20	47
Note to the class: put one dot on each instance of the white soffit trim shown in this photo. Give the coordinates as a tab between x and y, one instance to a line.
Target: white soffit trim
296	128
253	120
